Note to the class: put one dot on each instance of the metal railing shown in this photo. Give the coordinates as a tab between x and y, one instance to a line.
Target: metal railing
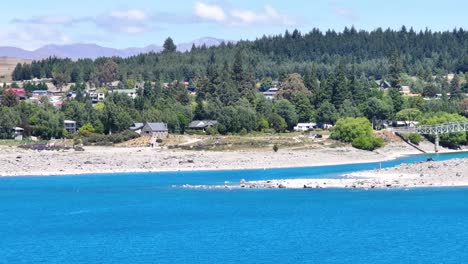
438	129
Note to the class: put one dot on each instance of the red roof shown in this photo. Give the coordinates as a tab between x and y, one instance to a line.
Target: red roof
20	92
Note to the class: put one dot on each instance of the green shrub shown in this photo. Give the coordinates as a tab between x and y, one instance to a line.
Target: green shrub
367	143
77	141
263	124
159	141
357	131
212	131
107	140
275	147
243	132
86	129
347	129
414	138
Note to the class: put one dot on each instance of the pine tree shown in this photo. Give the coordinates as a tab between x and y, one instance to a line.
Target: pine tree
18	72
169	46
397	100
227	93
340	88
199	113
303	107
212	75
455	89
238	67
358	90
148	91
248	84
326	89
312	84
396	67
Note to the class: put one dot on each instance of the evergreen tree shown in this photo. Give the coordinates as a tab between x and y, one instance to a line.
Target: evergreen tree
326	89
312	84
248	84
347	109
358	90
238	67
286	110
430	90
397	100
227	93
17	74
455	89
199	113
303	107
396	68
148	91
169	46
212	75
326	113
340	87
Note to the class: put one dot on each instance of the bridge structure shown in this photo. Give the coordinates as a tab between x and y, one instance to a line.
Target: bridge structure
435	130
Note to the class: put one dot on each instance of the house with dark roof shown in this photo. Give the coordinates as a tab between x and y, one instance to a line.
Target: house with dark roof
383	84
158	130
202	124
137	127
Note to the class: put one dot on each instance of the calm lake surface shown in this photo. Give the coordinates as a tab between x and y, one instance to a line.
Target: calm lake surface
140	218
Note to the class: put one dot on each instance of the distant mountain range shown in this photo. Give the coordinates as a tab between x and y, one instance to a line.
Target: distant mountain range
92	51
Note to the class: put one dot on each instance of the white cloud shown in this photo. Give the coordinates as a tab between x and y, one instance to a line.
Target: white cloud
130	15
132	21
209	12
245	16
237	16
268	16
31	36
62	20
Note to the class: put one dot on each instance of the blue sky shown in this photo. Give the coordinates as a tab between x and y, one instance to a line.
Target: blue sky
31	24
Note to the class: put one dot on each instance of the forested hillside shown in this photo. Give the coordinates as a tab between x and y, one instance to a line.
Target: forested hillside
421	53
322	78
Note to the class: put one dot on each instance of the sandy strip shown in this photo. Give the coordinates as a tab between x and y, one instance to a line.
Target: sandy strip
19	162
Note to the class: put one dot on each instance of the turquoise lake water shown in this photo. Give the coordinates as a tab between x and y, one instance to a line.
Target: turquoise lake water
140	218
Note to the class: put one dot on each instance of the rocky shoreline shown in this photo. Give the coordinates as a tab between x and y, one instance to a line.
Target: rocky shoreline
423	174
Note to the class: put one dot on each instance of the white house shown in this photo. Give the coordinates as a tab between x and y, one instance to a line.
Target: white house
305	126
271	93
97	96
18	133
70	126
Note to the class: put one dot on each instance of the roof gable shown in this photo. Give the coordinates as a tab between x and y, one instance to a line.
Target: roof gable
156	126
202	123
